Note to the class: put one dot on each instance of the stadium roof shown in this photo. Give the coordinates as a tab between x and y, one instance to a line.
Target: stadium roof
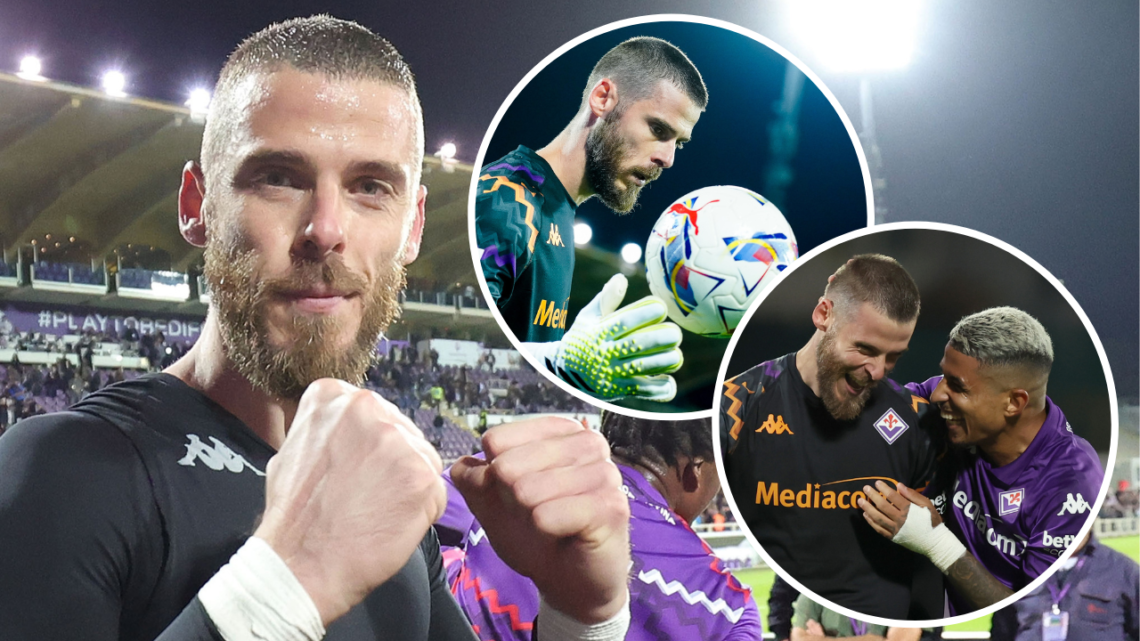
77	162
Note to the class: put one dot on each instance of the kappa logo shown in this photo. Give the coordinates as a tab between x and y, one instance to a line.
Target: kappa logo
891	426
554	238
1076	505
775	425
219	457
1010	502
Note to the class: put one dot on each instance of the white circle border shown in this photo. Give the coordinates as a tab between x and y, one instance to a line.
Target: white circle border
479	160
1114	422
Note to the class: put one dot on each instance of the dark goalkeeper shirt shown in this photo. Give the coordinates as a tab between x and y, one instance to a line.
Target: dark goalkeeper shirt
114	513
796	474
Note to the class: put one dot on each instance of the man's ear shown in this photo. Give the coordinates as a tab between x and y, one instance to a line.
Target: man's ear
691	476
603	98
1016	402
191	193
823	315
411	248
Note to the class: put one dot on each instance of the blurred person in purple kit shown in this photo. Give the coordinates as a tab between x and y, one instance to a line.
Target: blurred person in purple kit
679	589
1096	593
1012	491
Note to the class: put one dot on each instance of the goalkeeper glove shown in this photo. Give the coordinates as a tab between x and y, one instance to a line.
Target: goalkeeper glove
613	353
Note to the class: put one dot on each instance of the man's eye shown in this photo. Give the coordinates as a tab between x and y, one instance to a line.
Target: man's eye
372	188
276	179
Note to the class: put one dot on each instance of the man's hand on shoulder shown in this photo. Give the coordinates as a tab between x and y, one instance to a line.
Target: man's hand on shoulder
350	495
551	503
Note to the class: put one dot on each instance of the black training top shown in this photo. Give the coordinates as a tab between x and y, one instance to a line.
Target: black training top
796	474
114	513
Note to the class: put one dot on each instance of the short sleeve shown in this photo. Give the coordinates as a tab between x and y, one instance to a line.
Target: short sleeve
733	405
505	232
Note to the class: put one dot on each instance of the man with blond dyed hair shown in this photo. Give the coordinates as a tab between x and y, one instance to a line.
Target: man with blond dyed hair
1017	483
253	490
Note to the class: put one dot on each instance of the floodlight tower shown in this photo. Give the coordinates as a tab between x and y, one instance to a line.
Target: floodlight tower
862	37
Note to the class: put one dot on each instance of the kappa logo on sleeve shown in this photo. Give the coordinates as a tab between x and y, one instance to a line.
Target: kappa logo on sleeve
219	457
1074	505
1010	502
891	426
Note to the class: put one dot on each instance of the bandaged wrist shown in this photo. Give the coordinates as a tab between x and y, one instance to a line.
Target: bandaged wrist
555	626
256	597
935	543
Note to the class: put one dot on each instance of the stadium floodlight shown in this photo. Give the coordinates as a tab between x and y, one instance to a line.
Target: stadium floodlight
199	102
114	83
631	253
447	151
30	68
582	233
859	35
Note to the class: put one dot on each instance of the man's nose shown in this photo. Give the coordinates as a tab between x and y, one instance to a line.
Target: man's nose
324	231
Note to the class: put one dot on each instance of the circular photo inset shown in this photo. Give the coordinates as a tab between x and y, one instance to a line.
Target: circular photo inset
640	188
914	424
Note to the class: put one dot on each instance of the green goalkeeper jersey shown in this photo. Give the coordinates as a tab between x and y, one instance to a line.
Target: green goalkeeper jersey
524	227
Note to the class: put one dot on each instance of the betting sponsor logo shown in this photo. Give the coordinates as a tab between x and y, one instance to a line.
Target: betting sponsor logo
1009	545
821	496
553	237
1074	505
1056	545
550	315
775	425
218	457
890	425
1010	502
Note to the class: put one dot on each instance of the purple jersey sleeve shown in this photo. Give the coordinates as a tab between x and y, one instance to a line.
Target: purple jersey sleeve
1059	517
925	388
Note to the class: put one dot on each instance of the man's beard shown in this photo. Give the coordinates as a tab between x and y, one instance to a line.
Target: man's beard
242	304
830	371
605	150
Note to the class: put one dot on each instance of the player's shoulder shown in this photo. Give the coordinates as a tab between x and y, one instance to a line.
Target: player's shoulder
904	399
759	378
521	174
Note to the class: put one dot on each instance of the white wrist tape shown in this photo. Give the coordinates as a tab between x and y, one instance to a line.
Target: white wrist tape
555	626
256	597
935	543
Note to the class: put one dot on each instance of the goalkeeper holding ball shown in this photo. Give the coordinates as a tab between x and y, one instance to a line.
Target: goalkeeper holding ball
640	105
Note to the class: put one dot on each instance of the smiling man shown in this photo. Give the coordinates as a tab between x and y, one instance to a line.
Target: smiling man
800	436
130	515
1017	484
640	105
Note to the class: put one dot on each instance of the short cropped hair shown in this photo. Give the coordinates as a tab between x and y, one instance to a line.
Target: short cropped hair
639	439
1004	336
878	280
321	44
639	64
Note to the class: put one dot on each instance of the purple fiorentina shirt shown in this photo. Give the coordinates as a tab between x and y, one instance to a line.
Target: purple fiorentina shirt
1018	518
678	589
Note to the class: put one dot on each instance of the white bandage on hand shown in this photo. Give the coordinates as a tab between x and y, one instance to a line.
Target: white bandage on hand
555	626
256	597
935	543
613	353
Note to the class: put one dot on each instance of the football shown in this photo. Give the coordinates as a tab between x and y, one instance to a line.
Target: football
711	254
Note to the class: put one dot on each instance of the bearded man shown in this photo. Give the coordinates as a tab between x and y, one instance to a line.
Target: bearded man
802	434
640	105
130	515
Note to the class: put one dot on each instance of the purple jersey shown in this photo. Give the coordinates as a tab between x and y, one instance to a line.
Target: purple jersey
678	589
1018	518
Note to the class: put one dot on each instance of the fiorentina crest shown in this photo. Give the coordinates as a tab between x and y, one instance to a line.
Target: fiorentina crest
1010	502
891	426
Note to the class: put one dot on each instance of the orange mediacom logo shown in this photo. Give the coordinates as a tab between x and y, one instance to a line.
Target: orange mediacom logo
816	496
775	425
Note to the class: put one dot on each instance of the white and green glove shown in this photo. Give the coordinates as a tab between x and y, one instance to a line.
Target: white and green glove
613	353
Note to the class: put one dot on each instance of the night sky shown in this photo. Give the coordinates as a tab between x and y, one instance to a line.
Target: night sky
1019	119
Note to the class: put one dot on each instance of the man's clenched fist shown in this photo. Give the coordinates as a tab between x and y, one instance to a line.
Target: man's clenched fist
551	503
350	495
